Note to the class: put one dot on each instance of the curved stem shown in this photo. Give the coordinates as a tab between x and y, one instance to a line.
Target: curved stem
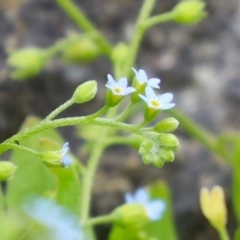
98	220
88	179
138	34
59	109
77	15
164	17
124	114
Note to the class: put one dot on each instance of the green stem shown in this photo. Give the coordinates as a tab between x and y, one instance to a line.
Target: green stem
2	205
59	109
77	15
98	220
165	17
223	234
63	122
88	179
204	137
124	114
138	34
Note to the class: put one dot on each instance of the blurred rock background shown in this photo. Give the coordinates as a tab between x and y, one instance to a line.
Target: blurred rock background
200	64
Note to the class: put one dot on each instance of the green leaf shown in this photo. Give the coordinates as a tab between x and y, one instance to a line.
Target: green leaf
34	179
161	229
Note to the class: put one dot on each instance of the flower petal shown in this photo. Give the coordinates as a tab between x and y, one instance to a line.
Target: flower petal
165	98
141	196
153	82
150	94
167	106
129	90
122	82
110	81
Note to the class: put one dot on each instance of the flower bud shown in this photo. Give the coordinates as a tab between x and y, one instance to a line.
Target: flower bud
167	125
214	207
84	50
168	141
119	53
167	155
6	170
85	92
27	62
57	158
131	215
189	11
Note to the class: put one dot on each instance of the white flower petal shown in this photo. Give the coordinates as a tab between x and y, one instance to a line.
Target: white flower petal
110	81
150	94
129	90
168	106
165	98
153	82
65	148
143	98
122	82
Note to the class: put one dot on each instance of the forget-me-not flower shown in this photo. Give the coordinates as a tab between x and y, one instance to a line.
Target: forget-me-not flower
119	88
154	208
60	223
66	159
157	101
142	78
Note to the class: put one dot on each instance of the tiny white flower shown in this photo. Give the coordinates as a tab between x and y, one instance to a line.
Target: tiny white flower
142	78
119	88
66	159
154	208
157	101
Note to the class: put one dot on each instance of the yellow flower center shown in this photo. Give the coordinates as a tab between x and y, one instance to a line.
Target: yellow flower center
155	103
117	90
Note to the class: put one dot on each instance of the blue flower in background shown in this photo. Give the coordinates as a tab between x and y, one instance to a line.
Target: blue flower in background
154	208
142	78
60	223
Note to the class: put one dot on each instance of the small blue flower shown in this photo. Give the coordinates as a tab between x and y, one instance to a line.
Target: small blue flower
60	223
119	88
66	159
157	101
154	208
142	78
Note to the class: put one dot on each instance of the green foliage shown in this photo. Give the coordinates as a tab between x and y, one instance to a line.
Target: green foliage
33	179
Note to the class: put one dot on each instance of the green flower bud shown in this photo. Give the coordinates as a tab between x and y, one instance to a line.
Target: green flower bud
57	158
27	62
6	170
189	11
167	155
131	215
119	53
84	50
85	92
168	141
167	125
151	153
